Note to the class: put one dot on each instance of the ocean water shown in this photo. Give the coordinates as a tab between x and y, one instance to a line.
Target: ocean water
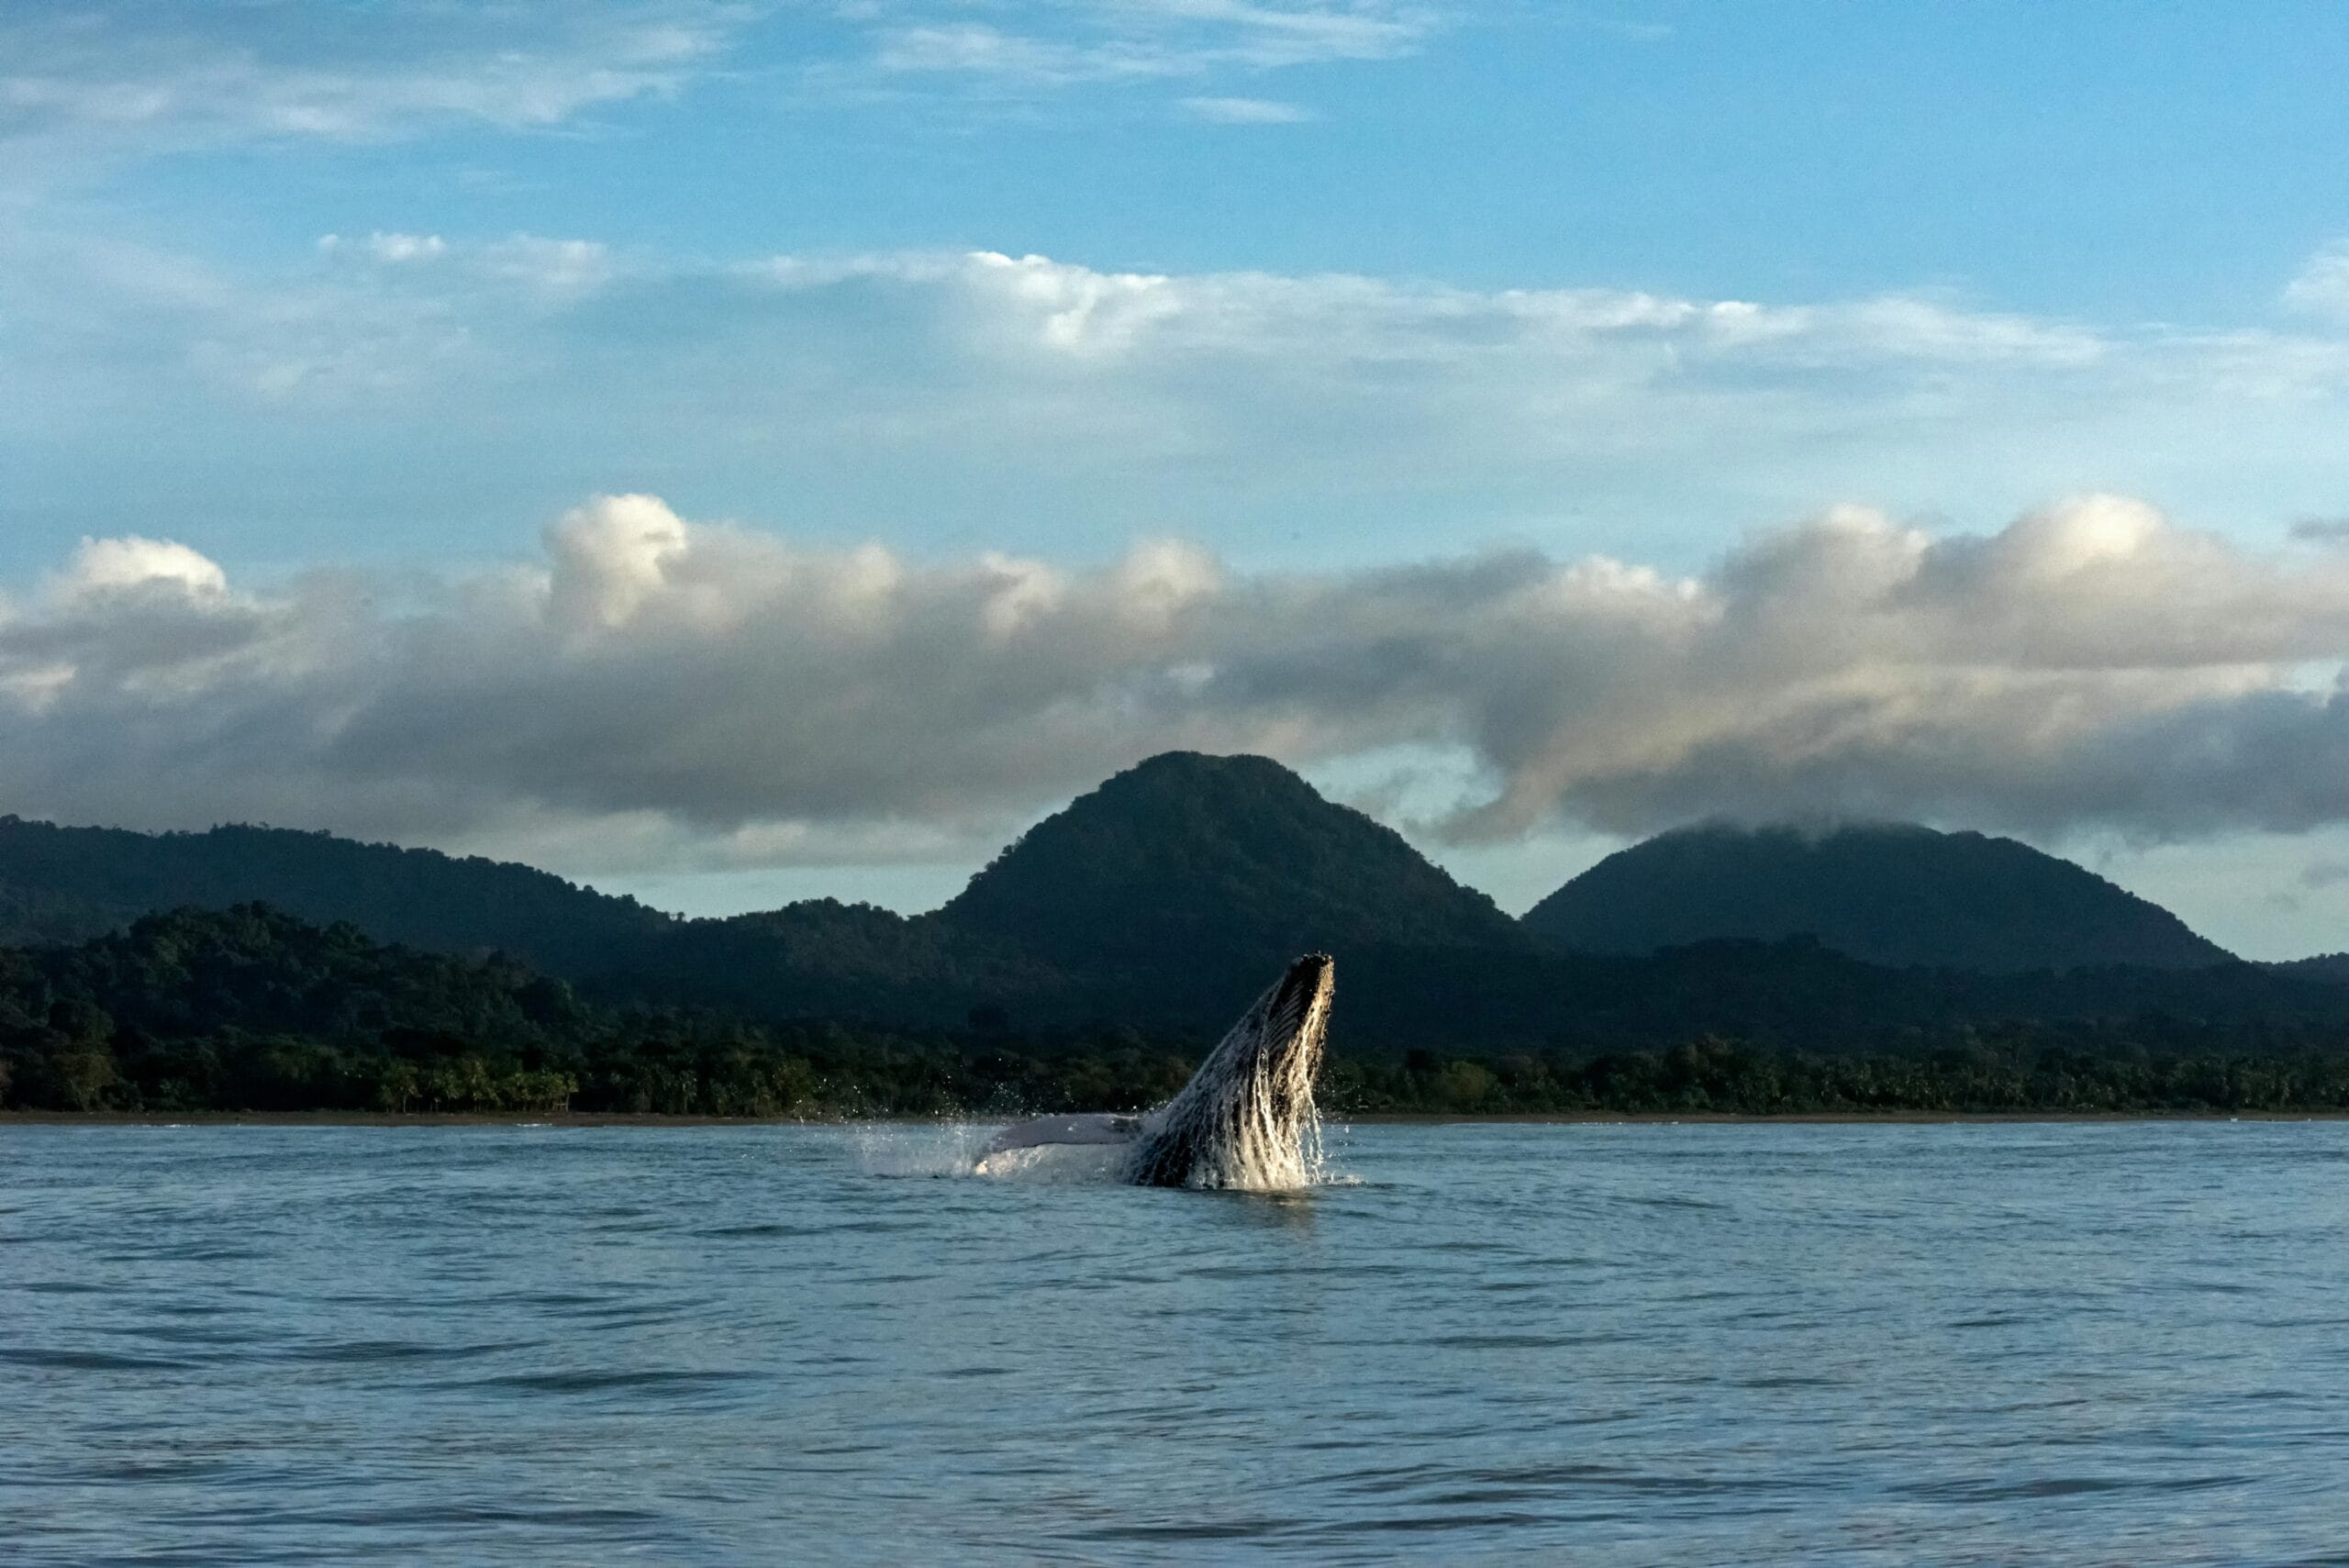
2122	1343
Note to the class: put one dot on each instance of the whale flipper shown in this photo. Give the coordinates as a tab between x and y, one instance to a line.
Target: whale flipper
1090	1129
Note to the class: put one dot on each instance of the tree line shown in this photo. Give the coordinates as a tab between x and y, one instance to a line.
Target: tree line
250	1009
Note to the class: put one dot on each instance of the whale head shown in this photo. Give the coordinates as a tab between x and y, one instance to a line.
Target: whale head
1246	1118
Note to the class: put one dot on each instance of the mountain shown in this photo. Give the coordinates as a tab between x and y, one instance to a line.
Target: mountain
66	884
1166	895
1208	862
1889	894
1164	899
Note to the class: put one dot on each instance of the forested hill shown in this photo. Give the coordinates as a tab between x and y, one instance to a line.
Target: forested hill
2332	967
1891	895
65	884
1189	858
251	1009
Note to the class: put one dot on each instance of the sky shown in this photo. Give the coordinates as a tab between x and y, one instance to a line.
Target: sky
731	452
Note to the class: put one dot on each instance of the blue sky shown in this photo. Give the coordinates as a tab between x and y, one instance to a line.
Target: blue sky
1498	334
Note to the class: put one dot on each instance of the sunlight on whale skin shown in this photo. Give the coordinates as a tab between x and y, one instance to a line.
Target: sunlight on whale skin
1245	1121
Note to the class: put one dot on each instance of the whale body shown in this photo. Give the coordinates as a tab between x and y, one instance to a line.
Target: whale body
1246	1120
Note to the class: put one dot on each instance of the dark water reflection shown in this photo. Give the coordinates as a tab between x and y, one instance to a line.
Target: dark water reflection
1596	1344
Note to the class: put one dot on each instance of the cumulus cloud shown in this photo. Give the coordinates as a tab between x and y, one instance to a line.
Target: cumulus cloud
131	564
713	690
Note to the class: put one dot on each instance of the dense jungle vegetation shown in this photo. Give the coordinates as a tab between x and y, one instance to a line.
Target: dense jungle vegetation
251	1009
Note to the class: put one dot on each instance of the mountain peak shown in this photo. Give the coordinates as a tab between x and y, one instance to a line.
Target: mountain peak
1890	892
1187	856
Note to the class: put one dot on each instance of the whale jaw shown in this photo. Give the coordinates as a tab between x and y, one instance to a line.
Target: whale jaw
1246	1120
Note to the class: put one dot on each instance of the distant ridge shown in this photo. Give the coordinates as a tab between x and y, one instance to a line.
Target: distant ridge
1889	894
67	885
1187	857
2328	968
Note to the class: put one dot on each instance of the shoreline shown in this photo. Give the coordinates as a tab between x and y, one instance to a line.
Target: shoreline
570	1119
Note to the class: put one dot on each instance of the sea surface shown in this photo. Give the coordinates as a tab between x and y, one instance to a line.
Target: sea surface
2111	1343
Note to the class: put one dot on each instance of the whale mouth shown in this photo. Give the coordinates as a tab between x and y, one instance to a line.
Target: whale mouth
1246	1120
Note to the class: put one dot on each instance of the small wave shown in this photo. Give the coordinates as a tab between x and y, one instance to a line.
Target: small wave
1985	1490
1522	1341
429	1515
87	1360
583	1381
363	1352
1187	1531
767	1230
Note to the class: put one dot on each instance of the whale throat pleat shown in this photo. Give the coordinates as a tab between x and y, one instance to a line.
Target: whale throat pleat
1247	1118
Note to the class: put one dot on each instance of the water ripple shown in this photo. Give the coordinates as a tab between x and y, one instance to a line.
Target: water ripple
1612	1345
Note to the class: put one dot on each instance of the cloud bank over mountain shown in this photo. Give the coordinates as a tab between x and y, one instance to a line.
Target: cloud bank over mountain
653	687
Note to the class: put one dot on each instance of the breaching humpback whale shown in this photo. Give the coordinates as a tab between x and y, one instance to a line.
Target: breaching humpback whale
1245	1119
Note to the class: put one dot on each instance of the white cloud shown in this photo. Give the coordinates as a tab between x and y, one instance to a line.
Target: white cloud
1036	403
1112	40
982	51
2322	287
134	77
131	564
109	79
716	693
555	270
1247	111
392	250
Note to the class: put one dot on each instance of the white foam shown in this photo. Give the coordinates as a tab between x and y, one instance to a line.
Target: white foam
921	1149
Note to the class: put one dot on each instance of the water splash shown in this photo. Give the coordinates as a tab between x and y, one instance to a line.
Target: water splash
921	1149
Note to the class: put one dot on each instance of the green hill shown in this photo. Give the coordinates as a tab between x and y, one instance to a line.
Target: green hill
1891	894
2332	968
66	884
1190	862
251	1009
